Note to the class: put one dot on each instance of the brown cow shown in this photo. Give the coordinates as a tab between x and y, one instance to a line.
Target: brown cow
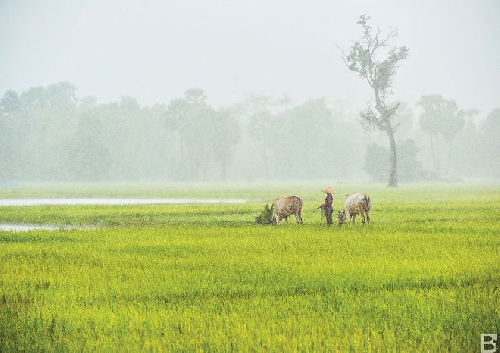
284	207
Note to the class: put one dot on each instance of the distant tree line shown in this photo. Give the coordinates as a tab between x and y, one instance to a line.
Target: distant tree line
49	134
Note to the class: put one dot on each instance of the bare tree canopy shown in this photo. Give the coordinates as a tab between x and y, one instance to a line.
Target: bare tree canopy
364	58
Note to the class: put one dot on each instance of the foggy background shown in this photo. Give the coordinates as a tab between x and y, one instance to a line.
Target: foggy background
238	90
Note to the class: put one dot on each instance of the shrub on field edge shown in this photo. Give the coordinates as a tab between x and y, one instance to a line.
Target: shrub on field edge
266	216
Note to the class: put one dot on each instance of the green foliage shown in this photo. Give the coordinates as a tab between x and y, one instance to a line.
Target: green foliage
363	57
88	157
206	136
50	134
286	139
266	216
205	277
441	117
490	144
376	162
409	168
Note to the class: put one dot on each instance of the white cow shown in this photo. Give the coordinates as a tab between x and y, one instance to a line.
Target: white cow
355	204
283	208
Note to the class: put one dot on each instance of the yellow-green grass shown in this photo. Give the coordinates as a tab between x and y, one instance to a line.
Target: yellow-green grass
424	276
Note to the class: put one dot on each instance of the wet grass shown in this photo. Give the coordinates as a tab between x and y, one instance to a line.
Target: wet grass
424	276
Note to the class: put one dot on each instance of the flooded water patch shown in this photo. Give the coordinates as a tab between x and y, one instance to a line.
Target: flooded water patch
94	201
112	201
12	227
26	227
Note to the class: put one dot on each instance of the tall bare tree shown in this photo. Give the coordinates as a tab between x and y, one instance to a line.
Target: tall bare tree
363	58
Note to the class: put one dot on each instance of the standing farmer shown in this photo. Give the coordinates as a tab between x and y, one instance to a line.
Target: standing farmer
327	207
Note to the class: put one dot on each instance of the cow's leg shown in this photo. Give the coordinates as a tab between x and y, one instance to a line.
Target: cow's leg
362	214
353	219
368	216
277	218
286	219
298	218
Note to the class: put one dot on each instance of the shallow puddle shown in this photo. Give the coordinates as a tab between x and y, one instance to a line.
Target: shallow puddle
26	227
114	201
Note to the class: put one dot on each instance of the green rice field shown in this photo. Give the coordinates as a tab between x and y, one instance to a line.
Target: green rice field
423	276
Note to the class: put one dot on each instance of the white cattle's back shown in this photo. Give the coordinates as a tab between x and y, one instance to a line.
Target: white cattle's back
354	199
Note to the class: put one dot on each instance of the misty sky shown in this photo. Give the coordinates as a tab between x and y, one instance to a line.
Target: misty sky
155	50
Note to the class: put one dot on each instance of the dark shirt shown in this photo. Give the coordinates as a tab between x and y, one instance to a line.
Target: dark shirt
328	201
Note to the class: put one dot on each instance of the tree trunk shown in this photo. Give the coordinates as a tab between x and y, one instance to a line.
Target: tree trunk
433	151
393	175
450	154
182	170
438	159
386	120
